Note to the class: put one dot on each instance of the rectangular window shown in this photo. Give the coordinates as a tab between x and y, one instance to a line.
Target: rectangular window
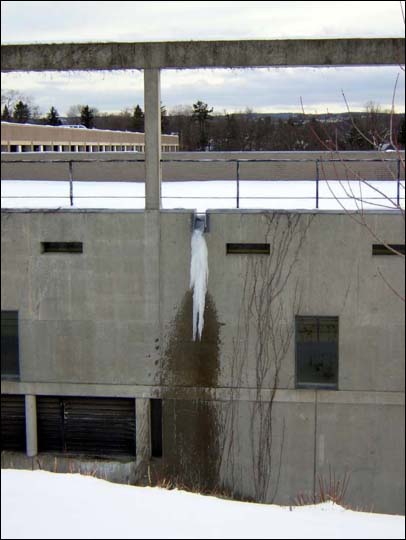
10	365
317	352
156	427
248	249
61	247
384	249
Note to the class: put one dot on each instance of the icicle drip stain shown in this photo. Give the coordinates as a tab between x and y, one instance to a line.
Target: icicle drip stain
199	273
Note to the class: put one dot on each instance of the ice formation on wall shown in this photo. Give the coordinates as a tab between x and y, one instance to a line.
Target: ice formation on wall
199	273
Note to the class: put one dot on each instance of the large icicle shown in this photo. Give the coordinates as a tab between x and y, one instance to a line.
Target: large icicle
199	273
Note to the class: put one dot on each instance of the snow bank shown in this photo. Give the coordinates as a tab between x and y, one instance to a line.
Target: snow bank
45	505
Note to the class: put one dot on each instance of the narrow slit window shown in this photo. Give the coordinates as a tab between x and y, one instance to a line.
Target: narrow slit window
248	249
156	428
62	247
388	249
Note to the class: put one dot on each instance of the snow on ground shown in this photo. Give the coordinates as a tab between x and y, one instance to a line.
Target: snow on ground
195	195
40	504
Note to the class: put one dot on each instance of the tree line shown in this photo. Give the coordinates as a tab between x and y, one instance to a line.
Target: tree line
200	129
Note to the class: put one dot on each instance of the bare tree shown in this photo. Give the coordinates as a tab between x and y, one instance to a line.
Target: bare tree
354	192
271	297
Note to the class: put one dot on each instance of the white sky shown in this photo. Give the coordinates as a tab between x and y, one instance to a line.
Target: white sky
231	90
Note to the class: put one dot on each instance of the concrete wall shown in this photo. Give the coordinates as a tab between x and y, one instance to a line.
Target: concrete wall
184	166
117	321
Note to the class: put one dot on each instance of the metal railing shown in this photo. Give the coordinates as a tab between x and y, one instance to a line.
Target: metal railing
318	179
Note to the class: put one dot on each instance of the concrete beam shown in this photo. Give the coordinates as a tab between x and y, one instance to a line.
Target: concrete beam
203	54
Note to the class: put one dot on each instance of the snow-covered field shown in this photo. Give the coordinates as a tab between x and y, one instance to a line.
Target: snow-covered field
199	195
40	504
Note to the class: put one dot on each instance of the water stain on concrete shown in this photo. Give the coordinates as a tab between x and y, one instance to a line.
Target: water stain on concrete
190	426
187	362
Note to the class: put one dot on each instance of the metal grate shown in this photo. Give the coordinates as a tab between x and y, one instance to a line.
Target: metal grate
13	422
86	425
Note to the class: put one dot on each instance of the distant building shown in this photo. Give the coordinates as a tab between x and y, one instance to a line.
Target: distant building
37	138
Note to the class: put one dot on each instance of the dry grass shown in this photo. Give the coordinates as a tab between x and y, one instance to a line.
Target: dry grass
331	489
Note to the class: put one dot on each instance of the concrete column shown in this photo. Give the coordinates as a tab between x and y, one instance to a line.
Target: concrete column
153	172
31	425
143	429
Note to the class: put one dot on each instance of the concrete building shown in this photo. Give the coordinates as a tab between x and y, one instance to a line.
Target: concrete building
299	375
37	138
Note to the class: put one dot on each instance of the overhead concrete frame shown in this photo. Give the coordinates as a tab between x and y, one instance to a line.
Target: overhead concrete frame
152	57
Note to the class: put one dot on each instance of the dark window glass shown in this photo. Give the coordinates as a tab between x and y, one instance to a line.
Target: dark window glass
317	352
10	367
156	427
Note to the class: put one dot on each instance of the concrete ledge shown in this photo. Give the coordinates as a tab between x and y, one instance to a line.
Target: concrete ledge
211	394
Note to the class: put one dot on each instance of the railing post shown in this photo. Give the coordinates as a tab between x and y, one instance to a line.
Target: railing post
317	183
238	184
71	183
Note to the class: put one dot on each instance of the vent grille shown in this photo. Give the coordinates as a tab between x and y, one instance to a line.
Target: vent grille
89	426
386	249
248	249
61	247
13	422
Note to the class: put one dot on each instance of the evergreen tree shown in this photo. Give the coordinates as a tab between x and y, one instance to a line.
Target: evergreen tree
52	118
87	116
164	119
357	140
201	115
5	115
232	133
138	119
21	113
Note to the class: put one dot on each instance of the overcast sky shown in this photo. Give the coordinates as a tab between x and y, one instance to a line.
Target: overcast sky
272	90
